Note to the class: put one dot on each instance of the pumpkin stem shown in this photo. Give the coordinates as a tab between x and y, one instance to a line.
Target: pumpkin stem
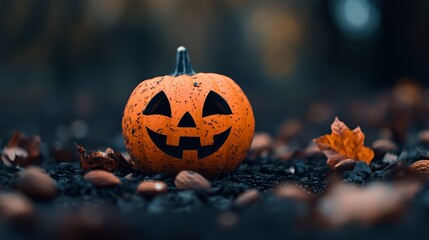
183	63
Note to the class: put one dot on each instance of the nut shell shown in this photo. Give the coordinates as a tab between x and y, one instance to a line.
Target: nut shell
191	180
17	210
421	166
248	198
150	189
290	191
36	184
101	178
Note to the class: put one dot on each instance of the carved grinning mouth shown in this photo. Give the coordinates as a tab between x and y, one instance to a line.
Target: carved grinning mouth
188	143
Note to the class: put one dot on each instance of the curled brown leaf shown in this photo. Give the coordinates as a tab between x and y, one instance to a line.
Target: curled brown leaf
344	143
21	150
109	160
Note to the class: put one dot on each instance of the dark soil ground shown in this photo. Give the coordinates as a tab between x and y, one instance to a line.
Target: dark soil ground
82	211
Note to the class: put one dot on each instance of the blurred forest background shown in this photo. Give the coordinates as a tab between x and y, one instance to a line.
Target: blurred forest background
67	68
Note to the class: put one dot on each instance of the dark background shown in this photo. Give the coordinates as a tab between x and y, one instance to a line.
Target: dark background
68	67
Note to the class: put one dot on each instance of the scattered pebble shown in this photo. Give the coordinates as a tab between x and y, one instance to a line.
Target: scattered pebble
191	180
36	184
150	189
421	166
291	191
247	198
367	205
101	178
17	210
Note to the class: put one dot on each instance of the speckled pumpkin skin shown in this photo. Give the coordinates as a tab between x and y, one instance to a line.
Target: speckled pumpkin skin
187	94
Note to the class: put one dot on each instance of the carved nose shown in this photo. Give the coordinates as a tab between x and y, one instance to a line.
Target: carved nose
187	121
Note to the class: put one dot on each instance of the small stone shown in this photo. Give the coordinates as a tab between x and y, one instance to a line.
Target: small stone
368	205
290	191
158	205
421	166
247	198
290	170
301	168
191	180
36	184
17	210
101	178
150	189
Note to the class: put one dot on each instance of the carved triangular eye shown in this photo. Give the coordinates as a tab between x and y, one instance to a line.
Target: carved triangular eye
158	105
215	104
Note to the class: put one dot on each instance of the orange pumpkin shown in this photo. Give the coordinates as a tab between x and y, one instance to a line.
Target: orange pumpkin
187	121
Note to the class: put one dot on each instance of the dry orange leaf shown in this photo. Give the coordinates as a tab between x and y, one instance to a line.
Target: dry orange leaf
344	143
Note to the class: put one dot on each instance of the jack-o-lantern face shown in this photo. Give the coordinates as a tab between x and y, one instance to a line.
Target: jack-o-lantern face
201	122
214	104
